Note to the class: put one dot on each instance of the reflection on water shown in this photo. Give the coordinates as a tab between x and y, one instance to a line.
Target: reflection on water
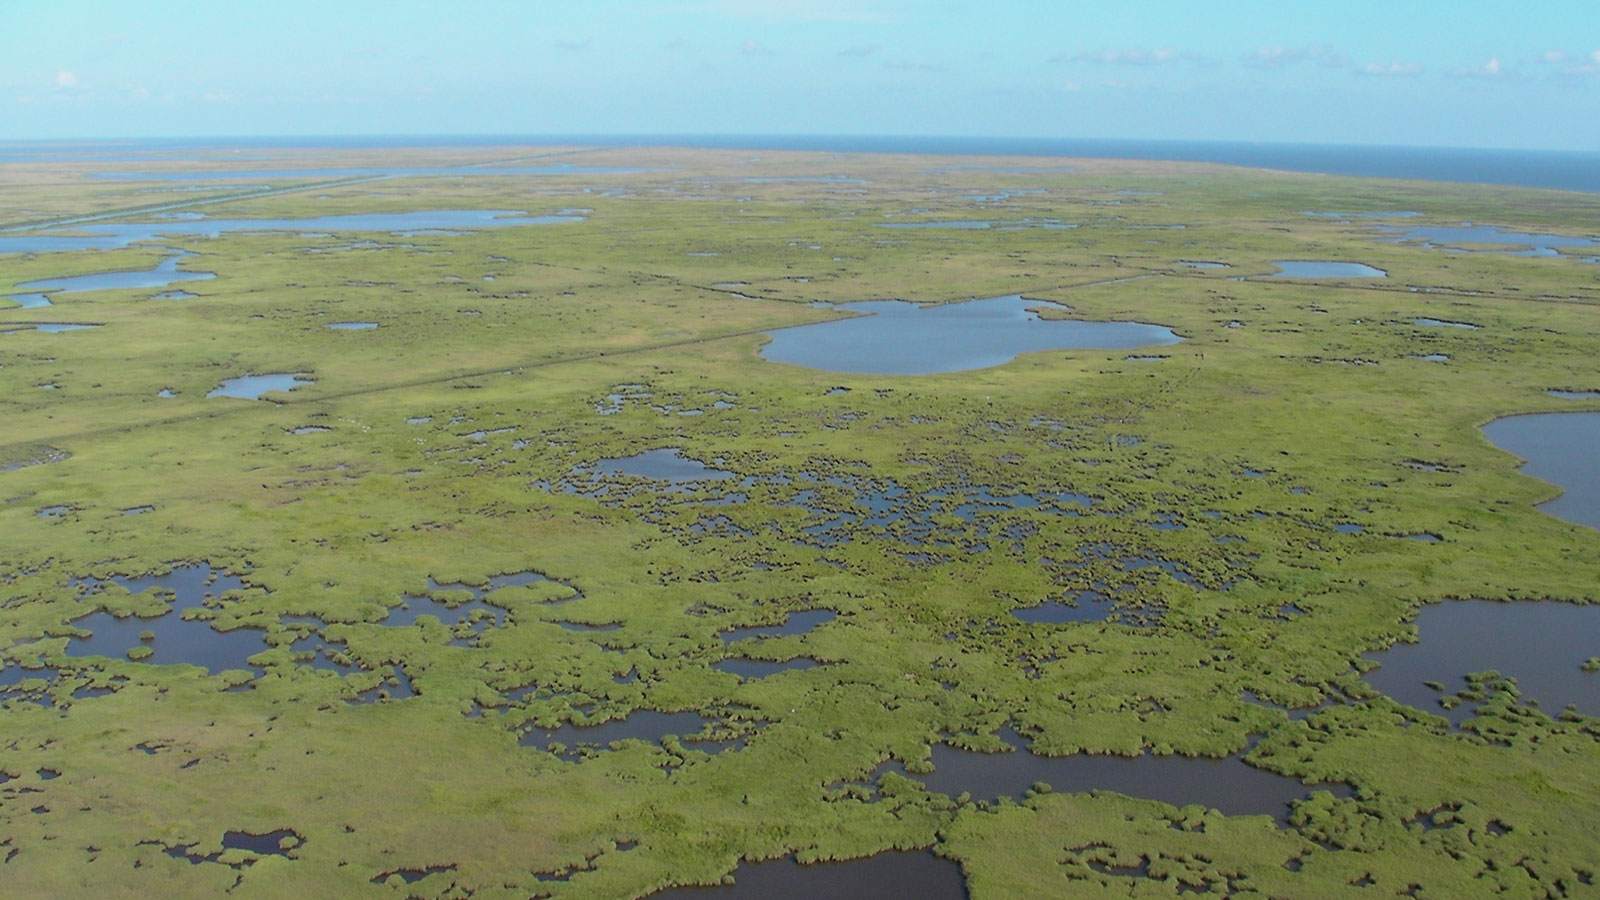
1318	268
899	338
1229	785
251	387
1450	238
1559	448
1542	645
107	236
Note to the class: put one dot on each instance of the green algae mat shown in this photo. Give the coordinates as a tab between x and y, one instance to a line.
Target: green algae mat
541	581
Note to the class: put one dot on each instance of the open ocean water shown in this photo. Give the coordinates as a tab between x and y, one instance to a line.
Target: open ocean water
1563	170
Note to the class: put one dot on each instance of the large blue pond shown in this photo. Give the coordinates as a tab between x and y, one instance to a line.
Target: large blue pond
899	338
110	235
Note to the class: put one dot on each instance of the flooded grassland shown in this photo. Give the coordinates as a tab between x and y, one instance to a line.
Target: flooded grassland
524	553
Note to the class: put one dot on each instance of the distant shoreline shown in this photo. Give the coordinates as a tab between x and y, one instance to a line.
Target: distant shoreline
1556	169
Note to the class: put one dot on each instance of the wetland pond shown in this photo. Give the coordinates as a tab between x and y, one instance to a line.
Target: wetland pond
173	638
1452	237
1319	268
251	387
164	273
1227	784
1559	448
888	876
900	338
1542	645
109	236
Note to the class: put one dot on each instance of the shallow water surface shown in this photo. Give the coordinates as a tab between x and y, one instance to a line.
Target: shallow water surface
110	235
1451	237
162	274
1229	784
1317	268
1559	448
176	639
251	387
61	327
896	875
666	464
1542	645
900	338
352	326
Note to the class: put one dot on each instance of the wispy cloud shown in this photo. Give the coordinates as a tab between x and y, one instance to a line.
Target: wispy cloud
1278	57
858	11
1391	70
857	52
571	46
908	65
751	48
66	79
1137	56
1490	69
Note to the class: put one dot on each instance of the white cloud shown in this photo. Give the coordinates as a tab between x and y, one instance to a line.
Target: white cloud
1279	57
1490	69
1394	69
65	79
1134	57
219	97
751	48
1554	57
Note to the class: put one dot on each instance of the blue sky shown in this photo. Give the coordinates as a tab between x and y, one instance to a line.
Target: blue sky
1397	72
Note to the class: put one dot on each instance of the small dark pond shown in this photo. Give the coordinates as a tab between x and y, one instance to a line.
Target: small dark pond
463	607
1442	323
1450	238
352	326
1204	264
896	875
1229	785
666	464
106	236
1559	448
251	387
1575	395
644	725
900	338
163	274
1308	268
796	624
61	327
1084	606
749	669
176	639
1542	645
